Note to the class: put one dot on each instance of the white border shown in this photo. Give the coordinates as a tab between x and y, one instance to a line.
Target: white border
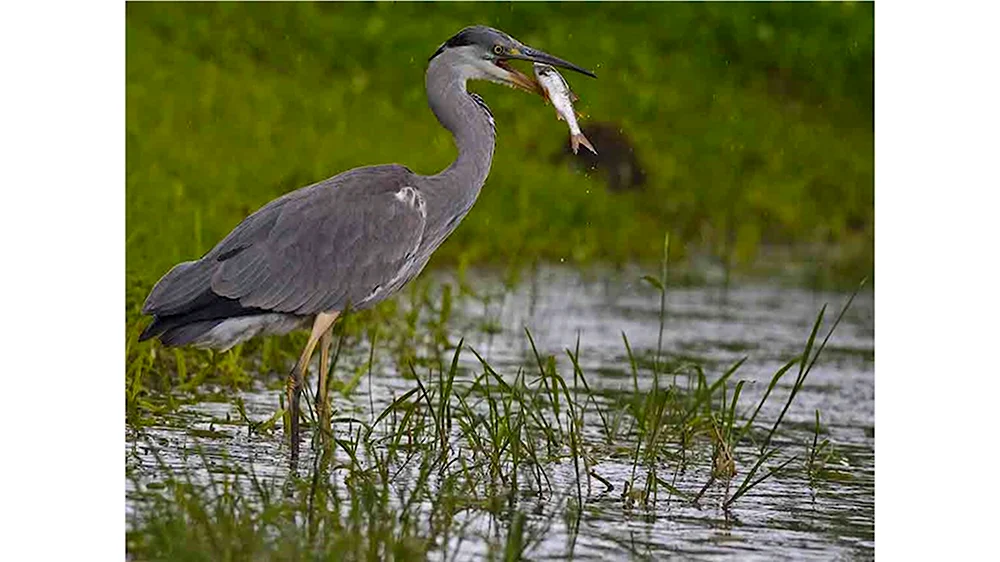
62	279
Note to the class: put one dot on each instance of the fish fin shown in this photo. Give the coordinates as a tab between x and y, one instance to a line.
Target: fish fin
577	140
573	97
559	116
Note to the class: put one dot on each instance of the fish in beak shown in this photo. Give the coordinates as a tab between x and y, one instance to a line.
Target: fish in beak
528	83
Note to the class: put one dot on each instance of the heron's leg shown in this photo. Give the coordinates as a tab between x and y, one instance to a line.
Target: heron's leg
322	394
296	379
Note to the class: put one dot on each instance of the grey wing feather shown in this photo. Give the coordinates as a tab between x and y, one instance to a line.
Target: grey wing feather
175	290
313	250
187	281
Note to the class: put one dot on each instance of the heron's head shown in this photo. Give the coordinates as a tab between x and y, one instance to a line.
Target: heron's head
482	53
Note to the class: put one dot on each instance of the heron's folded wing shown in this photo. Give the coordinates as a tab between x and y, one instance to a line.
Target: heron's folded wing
185	286
327	248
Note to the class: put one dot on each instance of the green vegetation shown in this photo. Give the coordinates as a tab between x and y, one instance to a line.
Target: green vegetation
755	123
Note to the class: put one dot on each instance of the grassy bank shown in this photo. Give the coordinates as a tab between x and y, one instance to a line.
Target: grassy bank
754	124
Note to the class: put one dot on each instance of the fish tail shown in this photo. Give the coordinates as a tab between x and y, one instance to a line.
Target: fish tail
578	139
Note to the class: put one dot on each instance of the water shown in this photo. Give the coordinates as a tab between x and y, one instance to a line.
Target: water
785	517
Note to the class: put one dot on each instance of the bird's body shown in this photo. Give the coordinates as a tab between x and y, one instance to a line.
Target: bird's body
348	242
289	261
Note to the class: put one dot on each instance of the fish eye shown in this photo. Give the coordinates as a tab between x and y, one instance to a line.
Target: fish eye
498	49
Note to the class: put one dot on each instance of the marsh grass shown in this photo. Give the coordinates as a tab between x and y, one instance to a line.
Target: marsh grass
467	457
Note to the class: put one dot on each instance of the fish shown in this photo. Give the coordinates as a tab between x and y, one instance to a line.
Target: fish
556	91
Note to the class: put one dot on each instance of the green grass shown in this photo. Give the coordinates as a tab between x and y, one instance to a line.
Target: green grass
755	123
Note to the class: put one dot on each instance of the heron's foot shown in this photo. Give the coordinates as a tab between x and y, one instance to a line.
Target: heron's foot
294	392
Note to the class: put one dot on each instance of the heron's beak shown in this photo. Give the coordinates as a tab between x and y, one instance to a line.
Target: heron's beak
534	55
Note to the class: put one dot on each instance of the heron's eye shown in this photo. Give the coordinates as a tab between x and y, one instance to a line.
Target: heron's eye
498	49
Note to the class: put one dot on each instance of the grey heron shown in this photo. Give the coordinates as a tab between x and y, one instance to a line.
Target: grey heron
348	241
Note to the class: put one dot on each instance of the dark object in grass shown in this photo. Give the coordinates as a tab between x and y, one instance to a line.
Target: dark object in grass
615	157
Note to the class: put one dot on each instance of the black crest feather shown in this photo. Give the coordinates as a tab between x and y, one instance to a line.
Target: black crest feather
468	36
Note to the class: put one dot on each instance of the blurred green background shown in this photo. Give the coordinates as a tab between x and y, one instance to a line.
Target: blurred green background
754	124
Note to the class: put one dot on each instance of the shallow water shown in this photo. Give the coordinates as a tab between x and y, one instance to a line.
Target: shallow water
785	517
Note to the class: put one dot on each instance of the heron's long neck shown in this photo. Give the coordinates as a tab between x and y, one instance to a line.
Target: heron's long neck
455	189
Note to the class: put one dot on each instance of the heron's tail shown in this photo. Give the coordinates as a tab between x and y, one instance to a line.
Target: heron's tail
174	333
578	139
202	313
154	329
176	291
